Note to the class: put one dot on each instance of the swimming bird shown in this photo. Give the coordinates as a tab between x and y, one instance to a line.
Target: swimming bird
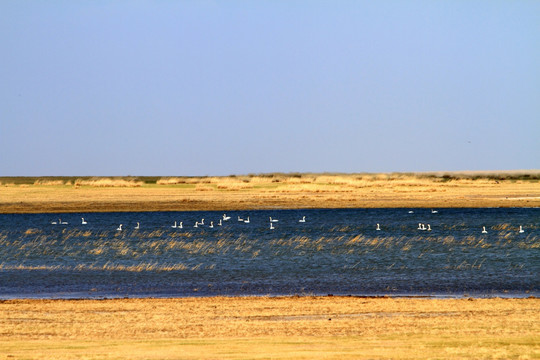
378	227
428	227
220	223
434	211
419	226
484	231
54	222
63	222
196	224
247	220
271	226
225	217
273	220
83	222
521	229
174	226
211	224
137	227
119	228
240	219
202	222
411	212
303	219
181	226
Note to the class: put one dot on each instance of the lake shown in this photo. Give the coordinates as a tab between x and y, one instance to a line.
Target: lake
415	252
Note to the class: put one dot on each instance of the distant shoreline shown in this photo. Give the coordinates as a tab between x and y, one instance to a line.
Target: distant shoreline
270	191
412	296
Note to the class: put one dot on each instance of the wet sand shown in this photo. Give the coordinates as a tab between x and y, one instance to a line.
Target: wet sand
270	327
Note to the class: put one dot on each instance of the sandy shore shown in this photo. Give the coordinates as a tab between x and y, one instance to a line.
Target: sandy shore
265	327
285	192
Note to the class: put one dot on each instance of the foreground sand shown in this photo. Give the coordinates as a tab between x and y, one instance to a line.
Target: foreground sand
265	327
270	192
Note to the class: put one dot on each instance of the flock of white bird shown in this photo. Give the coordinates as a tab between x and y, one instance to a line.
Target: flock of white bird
180	225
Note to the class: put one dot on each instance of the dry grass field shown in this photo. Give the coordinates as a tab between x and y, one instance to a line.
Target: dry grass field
503	189
271	328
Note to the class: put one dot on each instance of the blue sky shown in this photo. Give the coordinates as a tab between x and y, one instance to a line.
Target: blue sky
238	87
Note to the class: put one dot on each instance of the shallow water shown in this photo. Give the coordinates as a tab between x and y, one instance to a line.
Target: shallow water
336	251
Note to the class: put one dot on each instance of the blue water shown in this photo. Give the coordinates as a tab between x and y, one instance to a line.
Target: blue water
336	251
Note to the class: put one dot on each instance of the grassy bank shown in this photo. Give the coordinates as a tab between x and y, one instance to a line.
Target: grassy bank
283	327
511	175
87	194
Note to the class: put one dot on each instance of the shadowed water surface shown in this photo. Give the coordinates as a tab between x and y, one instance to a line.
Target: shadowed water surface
338	251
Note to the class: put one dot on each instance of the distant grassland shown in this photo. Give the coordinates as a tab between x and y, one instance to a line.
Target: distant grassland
274	190
305	178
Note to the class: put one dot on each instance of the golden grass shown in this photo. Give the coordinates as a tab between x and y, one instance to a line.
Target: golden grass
108	182
51	182
95	181
171	181
111	245
264	327
272	191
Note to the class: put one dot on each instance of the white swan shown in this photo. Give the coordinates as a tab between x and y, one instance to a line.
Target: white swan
54	222
174	226
196	224
63	222
521	229
411	212
225	217
484	231
434	211
428	227
419	226
220	223
137	227
202	222
240	219
303	219
211	224
378	227
119	228
273	220
247	220
83	222
271	226
180	226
